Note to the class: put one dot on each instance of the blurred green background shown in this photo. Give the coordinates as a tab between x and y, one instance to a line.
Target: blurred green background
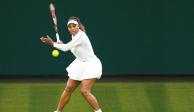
130	37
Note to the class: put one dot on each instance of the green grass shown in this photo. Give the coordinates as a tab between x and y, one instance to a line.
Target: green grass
113	97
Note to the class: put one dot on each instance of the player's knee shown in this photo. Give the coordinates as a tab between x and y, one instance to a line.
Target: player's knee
69	89
85	92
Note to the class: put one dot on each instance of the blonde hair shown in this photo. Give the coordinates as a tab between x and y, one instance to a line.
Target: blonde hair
81	26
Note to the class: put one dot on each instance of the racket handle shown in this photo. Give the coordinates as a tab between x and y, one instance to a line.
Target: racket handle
55	28
57	37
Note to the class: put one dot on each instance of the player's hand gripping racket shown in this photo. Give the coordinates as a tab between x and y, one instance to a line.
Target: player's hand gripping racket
54	17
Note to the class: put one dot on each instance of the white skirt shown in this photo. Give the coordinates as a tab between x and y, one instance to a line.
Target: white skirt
80	70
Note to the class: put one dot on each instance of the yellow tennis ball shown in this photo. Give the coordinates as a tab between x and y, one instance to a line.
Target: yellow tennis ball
55	53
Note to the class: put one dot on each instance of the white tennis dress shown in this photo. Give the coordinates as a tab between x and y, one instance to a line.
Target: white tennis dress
86	65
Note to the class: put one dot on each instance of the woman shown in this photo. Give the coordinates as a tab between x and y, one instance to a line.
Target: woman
84	70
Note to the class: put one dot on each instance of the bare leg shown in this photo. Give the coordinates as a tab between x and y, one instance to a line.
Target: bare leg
70	87
86	86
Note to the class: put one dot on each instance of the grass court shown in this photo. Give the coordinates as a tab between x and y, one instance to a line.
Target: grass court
113	97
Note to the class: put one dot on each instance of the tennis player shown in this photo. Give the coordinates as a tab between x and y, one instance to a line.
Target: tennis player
84	70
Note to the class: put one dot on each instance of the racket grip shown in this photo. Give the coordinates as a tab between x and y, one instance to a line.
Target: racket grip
57	37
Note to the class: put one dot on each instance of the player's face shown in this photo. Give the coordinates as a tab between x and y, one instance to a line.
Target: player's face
73	28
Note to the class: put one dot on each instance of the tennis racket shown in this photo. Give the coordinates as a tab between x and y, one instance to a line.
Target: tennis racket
54	18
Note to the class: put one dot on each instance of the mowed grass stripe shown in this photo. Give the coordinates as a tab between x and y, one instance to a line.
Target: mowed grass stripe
108	96
132	97
181	96
170	97
77	103
141	97
43	97
113	97
157	96
14	98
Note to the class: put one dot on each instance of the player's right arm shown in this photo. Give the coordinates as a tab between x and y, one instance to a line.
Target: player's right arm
68	46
